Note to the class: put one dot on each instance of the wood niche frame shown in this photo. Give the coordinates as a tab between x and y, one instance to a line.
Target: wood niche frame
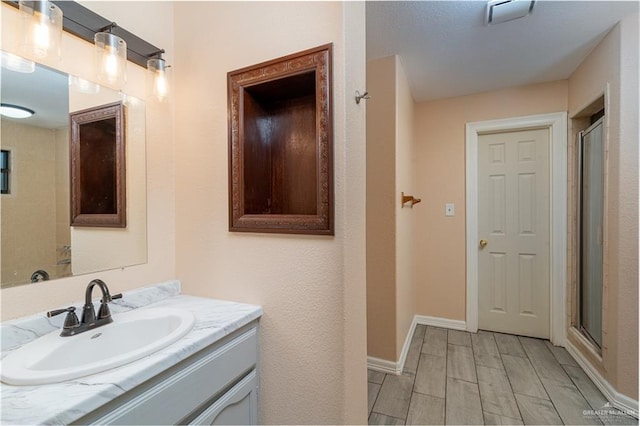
116	217
306	75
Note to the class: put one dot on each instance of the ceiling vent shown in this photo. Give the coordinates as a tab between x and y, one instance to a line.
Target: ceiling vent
499	11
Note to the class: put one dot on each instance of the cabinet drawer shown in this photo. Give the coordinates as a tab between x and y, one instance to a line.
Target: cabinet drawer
170	400
239	406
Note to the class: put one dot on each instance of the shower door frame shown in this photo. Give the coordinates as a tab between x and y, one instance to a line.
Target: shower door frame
579	234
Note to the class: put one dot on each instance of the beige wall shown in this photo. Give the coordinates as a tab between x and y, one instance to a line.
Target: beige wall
381	209
405	217
28	225
626	241
440	266
307	285
614	65
354	196
390	301
77	58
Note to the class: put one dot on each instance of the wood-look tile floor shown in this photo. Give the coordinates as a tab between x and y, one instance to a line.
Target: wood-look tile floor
455	377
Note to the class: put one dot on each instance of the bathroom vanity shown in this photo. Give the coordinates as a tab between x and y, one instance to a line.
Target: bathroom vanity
209	376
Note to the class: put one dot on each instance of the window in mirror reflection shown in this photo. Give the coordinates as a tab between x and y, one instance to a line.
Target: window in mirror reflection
4	171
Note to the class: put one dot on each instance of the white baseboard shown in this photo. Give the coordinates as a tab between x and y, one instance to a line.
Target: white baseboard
441	322
383	366
391	367
618	400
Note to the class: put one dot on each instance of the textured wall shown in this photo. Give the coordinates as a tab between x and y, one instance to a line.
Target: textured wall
613	66
627	210
302	282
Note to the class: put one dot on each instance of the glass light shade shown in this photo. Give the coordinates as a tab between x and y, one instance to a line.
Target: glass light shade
111	59
16	63
157	78
41	29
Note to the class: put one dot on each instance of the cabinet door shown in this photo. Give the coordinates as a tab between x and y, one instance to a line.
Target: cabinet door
239	406
186	388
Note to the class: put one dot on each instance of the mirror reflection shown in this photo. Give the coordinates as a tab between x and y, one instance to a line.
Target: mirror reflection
37	241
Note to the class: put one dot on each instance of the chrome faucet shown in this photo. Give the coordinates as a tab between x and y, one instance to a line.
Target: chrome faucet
89	321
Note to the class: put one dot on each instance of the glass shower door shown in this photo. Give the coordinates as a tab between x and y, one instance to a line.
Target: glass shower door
591	208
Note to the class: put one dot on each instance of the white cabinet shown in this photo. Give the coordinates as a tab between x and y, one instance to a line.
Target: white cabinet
218	385
239	406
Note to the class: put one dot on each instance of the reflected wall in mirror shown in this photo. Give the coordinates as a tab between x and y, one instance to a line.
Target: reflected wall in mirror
98	167
37	241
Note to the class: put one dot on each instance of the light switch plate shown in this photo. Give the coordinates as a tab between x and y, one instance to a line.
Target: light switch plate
449	209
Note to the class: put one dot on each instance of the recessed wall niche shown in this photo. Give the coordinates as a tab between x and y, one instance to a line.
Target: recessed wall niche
280	145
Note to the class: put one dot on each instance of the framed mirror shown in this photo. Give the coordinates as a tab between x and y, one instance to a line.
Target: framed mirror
37	239
98	172
281	145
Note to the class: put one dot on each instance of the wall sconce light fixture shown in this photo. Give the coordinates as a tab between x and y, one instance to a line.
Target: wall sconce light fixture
157	79
111	57
43	24
41	29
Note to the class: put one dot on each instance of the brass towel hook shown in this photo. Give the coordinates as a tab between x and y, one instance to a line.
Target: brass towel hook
409	198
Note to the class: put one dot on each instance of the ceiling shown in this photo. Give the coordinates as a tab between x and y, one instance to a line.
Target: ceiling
44	91
446	49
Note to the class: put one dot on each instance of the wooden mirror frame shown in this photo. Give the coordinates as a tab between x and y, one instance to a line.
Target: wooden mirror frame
317	61
117	218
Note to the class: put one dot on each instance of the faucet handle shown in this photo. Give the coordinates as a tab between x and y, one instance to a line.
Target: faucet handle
104	311
60	311
70	321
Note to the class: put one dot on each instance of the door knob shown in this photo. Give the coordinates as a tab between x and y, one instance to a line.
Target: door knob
483	244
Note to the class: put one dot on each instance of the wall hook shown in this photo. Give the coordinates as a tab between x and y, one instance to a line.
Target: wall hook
409	199
364	96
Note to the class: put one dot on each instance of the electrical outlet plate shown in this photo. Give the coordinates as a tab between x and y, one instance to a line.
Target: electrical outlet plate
449	209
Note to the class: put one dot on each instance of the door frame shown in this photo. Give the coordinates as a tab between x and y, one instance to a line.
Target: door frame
557	124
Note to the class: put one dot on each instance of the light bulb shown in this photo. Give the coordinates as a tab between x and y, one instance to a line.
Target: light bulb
162	87
157	79
41	38
111	64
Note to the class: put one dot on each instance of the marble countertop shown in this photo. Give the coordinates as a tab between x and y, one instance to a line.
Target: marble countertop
65	402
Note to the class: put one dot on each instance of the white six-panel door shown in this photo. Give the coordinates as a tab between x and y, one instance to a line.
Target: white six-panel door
513	227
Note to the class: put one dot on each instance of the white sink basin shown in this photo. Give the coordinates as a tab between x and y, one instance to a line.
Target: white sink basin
131	336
